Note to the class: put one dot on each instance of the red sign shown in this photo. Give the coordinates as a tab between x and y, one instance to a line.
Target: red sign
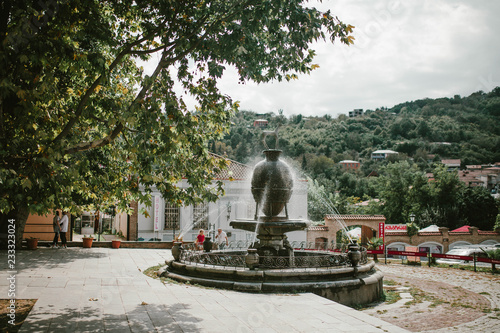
492	261
381	234
408	254
374	251
451	256
395	227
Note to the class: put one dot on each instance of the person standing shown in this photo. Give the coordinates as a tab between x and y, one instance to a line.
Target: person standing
200	239
57	229
64	228
221	239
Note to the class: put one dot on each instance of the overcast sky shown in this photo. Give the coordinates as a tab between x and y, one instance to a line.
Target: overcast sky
404	50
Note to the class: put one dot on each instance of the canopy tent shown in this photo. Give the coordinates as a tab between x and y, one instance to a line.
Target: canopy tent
431	228
355	233
465	228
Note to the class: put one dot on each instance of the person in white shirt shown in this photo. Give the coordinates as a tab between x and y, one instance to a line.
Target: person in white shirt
64	228
57	228
221	239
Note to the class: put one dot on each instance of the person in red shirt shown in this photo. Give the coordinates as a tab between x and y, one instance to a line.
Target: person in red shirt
200	239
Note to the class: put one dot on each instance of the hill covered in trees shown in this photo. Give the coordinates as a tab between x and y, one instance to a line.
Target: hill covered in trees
423	132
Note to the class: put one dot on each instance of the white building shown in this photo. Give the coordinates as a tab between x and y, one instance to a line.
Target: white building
382	154
164	221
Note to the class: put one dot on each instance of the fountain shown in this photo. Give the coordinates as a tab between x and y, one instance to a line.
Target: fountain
272	264
272	185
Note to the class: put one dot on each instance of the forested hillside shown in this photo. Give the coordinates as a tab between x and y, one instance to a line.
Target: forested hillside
422	131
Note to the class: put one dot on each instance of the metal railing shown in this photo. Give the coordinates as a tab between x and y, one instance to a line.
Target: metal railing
300	259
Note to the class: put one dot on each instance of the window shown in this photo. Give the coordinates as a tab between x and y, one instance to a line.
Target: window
172	216
200	216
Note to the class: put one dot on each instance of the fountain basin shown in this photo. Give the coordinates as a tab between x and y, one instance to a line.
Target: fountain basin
346	285
272	226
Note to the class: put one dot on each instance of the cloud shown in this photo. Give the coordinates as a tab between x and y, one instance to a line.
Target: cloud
404	50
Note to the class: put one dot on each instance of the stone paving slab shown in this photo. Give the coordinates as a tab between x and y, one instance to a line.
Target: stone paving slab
104	290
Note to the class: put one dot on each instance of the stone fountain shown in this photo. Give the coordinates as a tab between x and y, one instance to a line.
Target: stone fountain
271	264
272	185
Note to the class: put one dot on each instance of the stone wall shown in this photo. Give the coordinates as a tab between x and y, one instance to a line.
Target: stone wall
327	233
443	237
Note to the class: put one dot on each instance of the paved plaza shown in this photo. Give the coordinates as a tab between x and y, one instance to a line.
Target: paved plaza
105	290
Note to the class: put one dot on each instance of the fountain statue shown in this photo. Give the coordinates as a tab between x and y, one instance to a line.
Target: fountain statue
272	264
272	185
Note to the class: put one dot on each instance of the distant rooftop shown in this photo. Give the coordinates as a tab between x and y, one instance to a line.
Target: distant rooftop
385	151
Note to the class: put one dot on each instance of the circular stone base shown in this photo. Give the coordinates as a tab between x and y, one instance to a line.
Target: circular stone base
269	226
344	285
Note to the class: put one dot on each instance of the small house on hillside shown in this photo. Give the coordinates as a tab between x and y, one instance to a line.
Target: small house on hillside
452	164
350	165
382	154
260	123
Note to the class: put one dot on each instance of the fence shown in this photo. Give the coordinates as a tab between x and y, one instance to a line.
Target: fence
234	256
430	255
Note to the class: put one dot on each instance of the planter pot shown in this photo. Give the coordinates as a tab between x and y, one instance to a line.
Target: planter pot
87	242
354	254
32	243
252	259
177	250
115	244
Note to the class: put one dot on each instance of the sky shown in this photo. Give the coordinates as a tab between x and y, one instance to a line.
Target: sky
404	50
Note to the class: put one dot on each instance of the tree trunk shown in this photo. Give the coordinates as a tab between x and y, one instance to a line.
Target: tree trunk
16	218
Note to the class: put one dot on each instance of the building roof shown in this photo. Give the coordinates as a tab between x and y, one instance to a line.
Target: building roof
366	202
385	151
348	161
318	228
474	167
470	177
235	170
451	162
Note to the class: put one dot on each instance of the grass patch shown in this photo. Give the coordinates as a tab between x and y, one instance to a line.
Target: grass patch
391	296
23	308
466	268
390	283
152	271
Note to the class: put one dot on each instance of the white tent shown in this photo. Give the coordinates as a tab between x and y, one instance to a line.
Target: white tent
355	233
431	228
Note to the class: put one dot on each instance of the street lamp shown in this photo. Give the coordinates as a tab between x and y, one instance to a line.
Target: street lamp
412	217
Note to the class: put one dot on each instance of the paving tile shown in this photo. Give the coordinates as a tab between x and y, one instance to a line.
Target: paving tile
40	283
116	325
102	289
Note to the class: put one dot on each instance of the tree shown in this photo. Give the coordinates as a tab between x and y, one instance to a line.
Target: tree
72	90
478	208
497	223
373	244
395	188
446	190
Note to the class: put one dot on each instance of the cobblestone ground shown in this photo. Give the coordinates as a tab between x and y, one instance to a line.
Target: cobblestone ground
444	299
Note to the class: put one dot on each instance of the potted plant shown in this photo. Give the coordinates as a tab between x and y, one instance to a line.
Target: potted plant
115	243
87	241
32	243
374	244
